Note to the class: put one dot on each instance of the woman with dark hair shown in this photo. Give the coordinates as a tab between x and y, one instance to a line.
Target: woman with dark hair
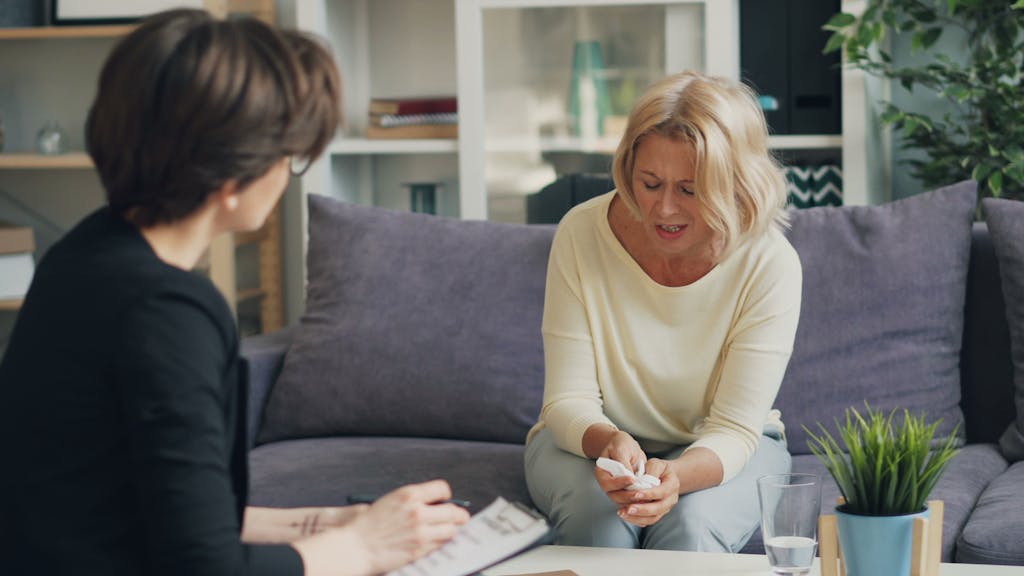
122	397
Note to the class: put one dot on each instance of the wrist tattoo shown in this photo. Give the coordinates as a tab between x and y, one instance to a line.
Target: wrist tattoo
310	524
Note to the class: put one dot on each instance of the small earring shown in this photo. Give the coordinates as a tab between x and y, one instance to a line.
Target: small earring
231	202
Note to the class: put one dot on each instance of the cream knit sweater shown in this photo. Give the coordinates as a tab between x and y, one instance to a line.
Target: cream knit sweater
698	364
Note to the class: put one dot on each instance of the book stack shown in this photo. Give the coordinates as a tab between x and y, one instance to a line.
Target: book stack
16	263
429	117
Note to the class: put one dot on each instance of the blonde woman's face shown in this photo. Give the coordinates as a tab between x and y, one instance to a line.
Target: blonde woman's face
664	180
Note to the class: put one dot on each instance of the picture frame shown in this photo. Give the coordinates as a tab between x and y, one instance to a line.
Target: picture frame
88	12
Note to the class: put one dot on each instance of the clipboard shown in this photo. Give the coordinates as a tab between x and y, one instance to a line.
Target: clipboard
498	532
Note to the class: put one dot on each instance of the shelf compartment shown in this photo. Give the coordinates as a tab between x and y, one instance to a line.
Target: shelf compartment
68	32
27	161
531	112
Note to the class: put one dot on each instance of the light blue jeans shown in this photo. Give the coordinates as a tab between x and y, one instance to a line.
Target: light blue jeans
717	519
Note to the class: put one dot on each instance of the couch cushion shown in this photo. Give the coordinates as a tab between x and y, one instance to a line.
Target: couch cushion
324	471
994	533
963	482
415	325
882	313
1006	225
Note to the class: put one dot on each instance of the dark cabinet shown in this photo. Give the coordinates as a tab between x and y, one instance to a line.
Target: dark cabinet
780	57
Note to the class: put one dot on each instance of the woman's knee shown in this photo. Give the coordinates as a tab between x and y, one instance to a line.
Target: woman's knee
592	523
721	518
772	457
563	487
701	522
553	475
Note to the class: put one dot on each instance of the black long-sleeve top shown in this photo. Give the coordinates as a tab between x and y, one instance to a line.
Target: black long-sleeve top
122	419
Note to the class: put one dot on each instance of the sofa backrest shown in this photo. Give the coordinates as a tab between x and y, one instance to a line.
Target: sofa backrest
424	326
986	367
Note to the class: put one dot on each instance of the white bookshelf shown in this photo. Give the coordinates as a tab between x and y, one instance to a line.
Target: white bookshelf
405	48
395	48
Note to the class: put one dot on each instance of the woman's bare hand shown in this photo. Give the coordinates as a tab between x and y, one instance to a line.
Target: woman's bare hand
625	449
647	506
404	525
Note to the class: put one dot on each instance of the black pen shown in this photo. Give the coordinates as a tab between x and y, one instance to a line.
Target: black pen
457	501
370	499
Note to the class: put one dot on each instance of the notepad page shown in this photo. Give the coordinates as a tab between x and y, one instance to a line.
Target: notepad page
492	535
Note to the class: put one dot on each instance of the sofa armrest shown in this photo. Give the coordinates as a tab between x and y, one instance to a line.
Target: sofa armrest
264	358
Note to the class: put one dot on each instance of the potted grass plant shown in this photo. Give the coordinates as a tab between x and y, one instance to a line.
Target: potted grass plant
885	469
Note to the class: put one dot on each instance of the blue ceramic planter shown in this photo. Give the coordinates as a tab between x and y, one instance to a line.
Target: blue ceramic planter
876	545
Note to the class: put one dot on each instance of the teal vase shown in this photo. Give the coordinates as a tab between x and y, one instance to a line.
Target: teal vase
589	103
876	545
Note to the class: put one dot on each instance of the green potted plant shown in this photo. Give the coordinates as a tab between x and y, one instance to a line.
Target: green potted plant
982	80
885	471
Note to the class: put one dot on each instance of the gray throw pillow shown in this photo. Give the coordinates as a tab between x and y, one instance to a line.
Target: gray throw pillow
415	325
882	313
1006	225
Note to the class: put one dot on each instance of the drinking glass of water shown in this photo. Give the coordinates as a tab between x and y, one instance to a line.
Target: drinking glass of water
790	504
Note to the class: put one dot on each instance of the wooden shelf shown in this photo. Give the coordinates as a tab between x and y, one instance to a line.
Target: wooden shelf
71	160
250	294
10	304
66	32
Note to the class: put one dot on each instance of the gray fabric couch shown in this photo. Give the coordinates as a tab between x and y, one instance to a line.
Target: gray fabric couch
420	356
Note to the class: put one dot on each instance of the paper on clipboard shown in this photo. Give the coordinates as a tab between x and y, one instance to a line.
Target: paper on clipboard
497	532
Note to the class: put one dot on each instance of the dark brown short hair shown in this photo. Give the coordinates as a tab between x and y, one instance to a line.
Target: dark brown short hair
188	102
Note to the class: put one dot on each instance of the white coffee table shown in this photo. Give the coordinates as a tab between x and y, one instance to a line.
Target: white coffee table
616	562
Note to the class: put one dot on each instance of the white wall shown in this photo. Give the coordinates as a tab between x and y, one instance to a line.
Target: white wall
953	43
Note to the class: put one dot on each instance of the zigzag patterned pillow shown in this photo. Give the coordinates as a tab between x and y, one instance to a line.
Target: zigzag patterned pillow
814	186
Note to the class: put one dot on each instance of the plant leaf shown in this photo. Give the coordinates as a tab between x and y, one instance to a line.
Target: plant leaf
840	21
930	37
995	183
981	171
835	42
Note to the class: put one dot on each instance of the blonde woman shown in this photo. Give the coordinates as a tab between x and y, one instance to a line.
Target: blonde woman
671	307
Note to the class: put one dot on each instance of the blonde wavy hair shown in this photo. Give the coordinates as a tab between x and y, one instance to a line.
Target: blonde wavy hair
739	184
